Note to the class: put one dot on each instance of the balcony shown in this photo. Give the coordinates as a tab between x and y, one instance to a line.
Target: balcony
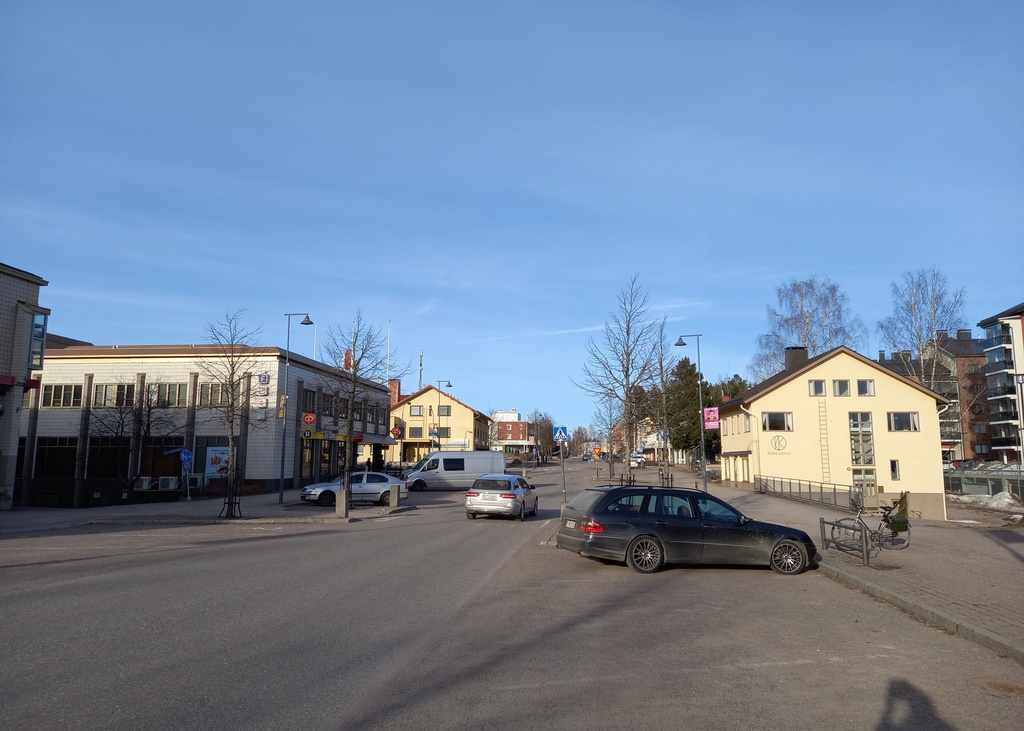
999	365
1004	415
1004	442
1005	389
995	342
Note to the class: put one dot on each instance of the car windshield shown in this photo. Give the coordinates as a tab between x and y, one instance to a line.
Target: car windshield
491	485
585	500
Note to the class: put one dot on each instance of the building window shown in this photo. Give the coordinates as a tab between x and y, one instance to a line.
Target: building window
37	343
862	444
894	469
864	480
168	395
444	432
56	457
776	421
816	388
62	396
904	421
309	401
110	395
415	432
841	388
746	422
415	411
981	449
979	428
444	410
215	394
327	403
865	387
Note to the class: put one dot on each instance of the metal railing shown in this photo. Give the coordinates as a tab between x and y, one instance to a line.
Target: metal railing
854	542
808	491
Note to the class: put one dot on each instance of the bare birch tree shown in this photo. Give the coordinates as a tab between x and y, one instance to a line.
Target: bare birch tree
922	305
624	358
811	313
226	375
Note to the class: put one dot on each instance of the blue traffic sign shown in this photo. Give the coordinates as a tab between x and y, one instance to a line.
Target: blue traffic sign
186	456
561	434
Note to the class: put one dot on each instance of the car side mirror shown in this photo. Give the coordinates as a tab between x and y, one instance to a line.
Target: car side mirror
744	520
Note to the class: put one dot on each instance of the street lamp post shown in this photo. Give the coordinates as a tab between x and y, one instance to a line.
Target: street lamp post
283	408
700	396
447	384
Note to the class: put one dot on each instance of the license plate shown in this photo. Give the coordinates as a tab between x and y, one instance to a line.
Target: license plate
570	524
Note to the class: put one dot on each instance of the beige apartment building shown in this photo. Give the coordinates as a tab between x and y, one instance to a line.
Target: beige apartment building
839	419
431	419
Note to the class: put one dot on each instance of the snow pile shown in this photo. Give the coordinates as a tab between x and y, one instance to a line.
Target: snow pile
1000	501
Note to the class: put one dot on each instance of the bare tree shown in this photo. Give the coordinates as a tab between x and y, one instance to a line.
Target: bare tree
579	441
607	427
623	359
664	363
812	314
543	434
228	388
922	305
359	356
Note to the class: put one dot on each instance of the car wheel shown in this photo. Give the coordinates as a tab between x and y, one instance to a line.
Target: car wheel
536	507
471	516
326	498
385	498
645	555
789	557
522	511
417	486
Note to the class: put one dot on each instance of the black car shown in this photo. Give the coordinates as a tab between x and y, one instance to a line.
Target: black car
648	527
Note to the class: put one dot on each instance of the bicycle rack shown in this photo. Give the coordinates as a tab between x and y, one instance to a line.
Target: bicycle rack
856	544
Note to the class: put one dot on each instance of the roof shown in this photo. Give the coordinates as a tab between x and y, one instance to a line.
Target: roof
1016	311
405	399
783	377
22	274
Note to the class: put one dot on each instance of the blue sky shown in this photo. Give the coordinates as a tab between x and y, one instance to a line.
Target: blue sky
485	177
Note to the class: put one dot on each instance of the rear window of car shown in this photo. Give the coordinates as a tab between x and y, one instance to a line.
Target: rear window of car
491	485
586	500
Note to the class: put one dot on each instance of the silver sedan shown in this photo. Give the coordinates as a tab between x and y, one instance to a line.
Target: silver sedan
501	495
366	487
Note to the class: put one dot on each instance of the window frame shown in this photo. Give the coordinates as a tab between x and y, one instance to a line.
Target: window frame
913	421
841	387
766	419
868	385
816	387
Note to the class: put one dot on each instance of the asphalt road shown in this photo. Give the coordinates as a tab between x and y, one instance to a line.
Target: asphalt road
424	619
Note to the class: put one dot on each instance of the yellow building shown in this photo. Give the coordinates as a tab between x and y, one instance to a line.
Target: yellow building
842	420
431	419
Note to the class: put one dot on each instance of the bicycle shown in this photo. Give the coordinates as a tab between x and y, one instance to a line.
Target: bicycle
893	532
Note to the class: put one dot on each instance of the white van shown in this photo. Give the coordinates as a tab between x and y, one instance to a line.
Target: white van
453	470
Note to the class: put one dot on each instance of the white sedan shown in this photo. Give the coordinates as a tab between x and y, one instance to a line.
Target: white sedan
501	495
373	487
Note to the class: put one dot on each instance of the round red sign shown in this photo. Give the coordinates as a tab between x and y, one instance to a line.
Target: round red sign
308	418
396	431
358	437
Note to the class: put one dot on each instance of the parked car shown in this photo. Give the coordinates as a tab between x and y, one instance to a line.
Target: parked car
647	527
374	487
453	470
501	495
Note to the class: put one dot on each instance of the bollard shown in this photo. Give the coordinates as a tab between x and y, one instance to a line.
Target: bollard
341	504
393	501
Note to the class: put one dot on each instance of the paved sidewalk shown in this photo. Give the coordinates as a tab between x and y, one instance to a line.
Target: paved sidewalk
968	580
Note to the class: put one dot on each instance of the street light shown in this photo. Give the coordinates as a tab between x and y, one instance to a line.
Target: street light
447	384
283	409
700	395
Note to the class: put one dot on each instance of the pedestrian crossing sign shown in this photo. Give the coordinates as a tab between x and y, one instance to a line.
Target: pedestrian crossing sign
561	434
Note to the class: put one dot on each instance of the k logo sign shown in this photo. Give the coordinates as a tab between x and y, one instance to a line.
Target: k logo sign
778	443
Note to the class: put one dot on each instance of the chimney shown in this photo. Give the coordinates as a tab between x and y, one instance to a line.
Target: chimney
394	390
795	357
963	334
881	356
941	335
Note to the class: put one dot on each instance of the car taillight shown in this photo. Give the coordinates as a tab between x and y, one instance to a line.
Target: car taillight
591	526
508	496
472	494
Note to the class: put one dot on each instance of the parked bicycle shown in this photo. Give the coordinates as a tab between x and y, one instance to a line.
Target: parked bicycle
893	532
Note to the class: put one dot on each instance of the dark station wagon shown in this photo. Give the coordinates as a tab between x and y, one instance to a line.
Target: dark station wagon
648	527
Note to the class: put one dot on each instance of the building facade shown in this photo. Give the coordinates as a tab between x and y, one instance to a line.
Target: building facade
839	419
109	423
431	419
22	347
511	432
1004	372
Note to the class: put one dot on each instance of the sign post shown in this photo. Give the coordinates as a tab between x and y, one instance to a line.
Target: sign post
561	435
186	463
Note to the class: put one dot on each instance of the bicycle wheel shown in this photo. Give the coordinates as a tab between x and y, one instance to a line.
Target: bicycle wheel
846	531
894	541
